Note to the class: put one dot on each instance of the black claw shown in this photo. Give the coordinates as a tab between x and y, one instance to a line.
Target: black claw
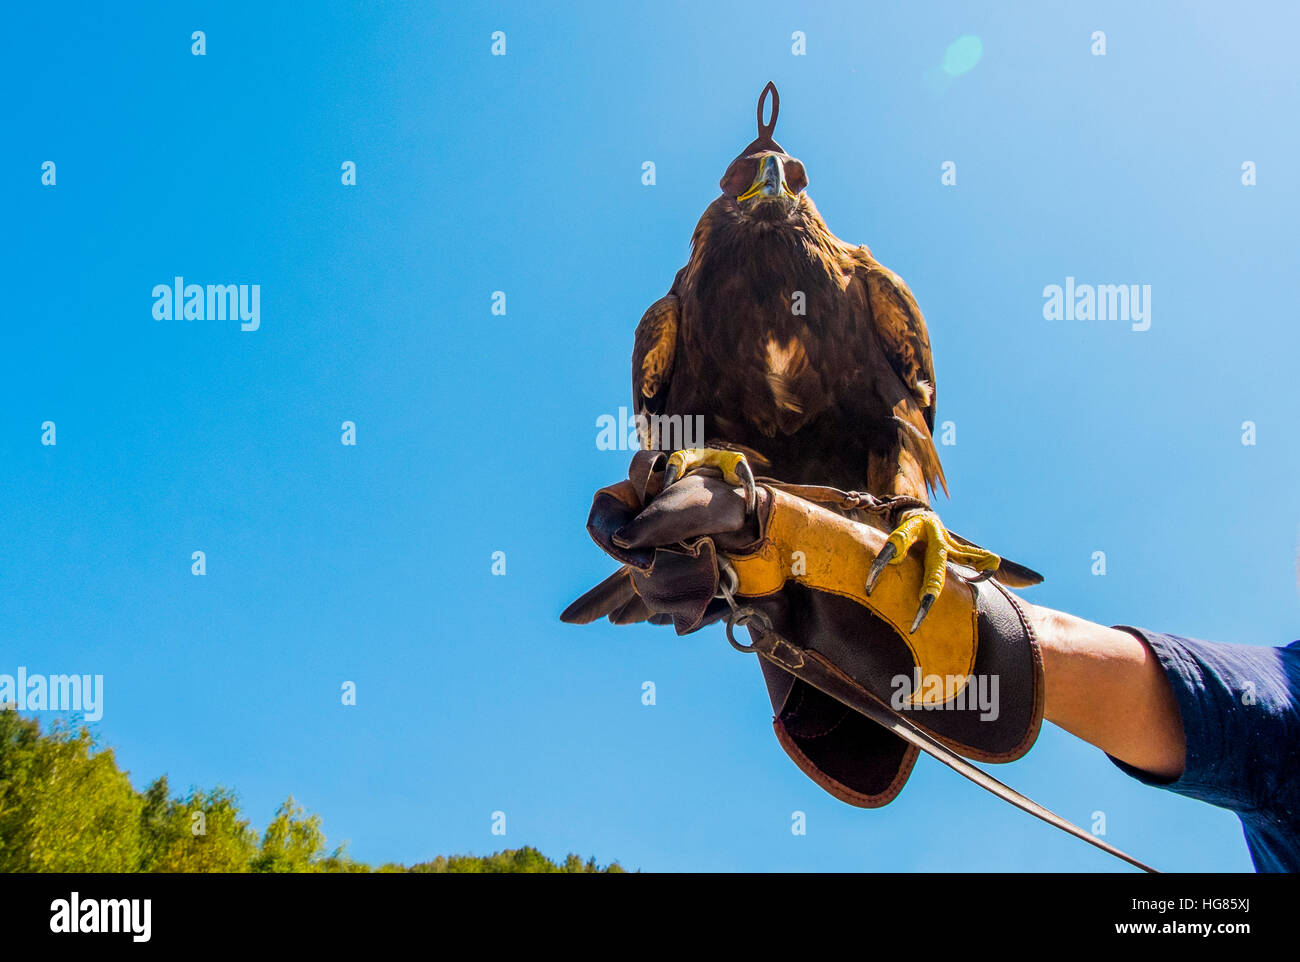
877	566
670	473
926	601
746	474
982	576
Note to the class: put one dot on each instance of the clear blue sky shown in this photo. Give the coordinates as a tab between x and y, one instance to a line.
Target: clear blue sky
476	432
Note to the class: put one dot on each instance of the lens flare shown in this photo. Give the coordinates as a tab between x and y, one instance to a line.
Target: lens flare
962	55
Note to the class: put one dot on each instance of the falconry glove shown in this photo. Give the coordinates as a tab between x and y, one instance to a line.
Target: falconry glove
856	694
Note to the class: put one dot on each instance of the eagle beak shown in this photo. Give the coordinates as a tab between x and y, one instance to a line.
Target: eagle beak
770	183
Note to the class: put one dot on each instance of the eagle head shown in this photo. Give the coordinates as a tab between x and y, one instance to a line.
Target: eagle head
765	182
765	185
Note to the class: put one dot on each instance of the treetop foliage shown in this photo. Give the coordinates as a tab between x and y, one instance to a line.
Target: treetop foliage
65	806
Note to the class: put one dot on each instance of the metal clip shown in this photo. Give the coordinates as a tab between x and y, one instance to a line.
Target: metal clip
741	615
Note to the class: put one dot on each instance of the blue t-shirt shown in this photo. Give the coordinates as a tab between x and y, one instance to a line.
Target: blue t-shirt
1240	707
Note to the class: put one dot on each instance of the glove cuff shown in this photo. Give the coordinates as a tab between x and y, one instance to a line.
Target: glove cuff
971	675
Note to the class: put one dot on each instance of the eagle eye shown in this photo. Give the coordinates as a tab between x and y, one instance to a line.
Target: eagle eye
795	176
739	176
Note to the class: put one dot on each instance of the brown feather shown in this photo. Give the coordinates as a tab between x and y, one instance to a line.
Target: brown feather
654	349
610	596
791	343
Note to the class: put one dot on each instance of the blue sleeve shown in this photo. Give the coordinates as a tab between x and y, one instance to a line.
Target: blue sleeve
1240	707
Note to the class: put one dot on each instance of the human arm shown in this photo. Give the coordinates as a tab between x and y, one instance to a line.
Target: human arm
1107	687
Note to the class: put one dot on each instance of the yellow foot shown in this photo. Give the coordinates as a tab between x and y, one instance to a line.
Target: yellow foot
732	465
940	548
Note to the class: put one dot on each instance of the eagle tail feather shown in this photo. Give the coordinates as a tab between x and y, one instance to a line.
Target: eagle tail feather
612	597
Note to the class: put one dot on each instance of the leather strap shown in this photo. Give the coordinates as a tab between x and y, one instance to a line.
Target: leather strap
888	509
811	667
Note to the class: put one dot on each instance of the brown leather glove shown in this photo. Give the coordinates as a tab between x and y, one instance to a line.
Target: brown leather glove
971	675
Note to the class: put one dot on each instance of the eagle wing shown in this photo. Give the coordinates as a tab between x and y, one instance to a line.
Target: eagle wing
900	330
654	350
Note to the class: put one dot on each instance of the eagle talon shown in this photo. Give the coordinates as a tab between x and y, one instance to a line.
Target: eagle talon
746	475
733	465
671	473
940	549
877	566
927	600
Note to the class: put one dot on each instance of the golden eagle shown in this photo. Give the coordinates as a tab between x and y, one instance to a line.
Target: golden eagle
804	354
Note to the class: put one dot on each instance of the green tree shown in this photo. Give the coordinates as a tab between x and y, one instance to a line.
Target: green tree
293	842
526	859
65	806
199	833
